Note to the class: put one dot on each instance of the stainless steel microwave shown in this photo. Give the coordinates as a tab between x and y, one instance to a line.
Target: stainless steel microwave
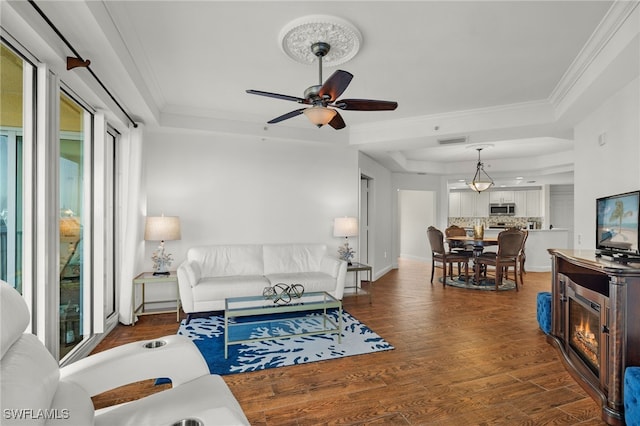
504	209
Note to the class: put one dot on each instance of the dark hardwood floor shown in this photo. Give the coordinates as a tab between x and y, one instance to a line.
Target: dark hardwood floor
462	357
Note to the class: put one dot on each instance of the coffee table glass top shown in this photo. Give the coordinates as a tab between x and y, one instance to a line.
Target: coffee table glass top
256	305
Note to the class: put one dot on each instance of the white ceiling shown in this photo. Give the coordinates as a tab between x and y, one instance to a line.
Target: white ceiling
492	71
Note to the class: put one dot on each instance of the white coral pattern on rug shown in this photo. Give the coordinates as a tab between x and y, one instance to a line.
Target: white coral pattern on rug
356	338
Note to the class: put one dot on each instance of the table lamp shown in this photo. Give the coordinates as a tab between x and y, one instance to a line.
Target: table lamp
345	227
161	228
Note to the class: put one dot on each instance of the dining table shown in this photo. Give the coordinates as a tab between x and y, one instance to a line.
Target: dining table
478	247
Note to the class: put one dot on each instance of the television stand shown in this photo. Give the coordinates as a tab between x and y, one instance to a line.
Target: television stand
614	256
616	288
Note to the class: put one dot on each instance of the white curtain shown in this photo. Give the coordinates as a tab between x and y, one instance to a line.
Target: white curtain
132	213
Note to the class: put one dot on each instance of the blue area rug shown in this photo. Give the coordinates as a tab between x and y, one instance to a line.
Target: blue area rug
208	335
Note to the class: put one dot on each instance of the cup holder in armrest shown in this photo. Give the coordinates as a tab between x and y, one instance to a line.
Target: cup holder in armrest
155	344
188	422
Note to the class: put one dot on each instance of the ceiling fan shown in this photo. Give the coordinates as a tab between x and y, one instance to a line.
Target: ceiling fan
323	97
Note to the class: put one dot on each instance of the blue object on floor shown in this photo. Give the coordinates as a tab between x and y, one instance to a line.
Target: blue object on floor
544	311
632	396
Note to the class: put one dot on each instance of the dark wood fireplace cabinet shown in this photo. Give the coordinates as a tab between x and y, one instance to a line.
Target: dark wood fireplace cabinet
596	323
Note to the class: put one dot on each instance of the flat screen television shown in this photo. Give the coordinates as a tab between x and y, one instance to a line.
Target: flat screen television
617	225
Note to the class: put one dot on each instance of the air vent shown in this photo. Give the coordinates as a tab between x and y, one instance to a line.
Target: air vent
451	141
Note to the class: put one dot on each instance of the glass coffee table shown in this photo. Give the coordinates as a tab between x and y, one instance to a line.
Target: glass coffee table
238	331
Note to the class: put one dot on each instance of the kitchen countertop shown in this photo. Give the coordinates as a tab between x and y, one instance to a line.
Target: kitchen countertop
530	230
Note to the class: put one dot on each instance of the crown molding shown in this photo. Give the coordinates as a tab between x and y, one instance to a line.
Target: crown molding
616	16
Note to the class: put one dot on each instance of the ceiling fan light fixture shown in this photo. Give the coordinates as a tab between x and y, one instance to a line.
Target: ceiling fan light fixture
320	115
481	180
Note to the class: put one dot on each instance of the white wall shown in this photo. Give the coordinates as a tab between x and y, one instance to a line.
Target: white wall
419	182
233	189
607	169
381	219
417	211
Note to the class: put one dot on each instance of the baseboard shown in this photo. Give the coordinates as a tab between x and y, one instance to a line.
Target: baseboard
382	272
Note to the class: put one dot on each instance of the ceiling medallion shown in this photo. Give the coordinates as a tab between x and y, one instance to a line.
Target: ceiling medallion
344	39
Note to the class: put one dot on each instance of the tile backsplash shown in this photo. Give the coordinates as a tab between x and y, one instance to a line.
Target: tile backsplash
507	222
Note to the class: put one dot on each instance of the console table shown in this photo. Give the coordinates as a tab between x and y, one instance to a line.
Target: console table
148	278
611	291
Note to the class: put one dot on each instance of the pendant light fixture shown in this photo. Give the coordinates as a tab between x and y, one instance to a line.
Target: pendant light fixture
481	180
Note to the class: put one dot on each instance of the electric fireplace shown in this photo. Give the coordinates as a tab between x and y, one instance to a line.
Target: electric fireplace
584	333
596	324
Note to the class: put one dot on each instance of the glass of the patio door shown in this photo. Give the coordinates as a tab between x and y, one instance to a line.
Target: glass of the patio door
75	197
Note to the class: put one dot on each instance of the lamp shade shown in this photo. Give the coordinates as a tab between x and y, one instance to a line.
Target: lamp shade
319	115
345	227
162	228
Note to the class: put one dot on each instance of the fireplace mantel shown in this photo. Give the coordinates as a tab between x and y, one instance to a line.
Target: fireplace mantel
617	287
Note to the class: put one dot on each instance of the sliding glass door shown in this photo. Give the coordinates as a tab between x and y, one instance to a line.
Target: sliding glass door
57	214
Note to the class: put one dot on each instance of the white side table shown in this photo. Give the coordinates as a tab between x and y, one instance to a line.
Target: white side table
148	278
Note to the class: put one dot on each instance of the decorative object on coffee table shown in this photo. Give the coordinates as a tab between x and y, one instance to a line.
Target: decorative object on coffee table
282	293
345	227
269	292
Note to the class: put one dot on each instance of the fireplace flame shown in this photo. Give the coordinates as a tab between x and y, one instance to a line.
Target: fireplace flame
586	340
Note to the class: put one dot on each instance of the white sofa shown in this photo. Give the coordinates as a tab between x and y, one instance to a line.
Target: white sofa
212	273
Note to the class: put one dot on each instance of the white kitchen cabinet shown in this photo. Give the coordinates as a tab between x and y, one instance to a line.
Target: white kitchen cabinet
520	199
467	204
501	197
482	204
454	204
533	203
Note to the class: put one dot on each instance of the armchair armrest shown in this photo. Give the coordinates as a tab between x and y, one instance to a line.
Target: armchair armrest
186	277
177	358
337	268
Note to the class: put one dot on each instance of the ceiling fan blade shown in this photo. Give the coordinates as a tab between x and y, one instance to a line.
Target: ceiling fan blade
277	96
337	122
286	116
335	85
365	105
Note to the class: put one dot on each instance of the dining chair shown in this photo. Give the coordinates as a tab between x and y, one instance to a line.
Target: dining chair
440	254
521	259
459	247
510	244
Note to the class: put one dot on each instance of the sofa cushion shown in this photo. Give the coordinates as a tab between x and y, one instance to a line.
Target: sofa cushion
283	258
220	288
73	405
312	281
229	260
14	316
